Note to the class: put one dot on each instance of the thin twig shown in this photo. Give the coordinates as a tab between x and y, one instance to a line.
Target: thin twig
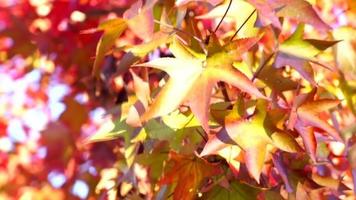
222	19
242	25
222	85
258	71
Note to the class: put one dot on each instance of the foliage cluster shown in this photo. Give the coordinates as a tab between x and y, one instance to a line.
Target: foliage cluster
203	99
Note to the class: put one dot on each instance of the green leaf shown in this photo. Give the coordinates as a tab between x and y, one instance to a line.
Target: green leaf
296	46
236	190
285	142
158	130
110	131
130	153
298	52
177	120
155	162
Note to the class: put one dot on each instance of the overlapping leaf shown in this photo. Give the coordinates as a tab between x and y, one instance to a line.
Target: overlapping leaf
192	80
248	135
252	136
187	172
274	79
235	190
112	30
305	117
308	113
297	52
299	10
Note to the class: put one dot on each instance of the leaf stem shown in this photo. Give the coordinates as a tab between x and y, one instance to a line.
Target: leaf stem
202	135
242	25
170	195
258	71
186	124
222	19
222	85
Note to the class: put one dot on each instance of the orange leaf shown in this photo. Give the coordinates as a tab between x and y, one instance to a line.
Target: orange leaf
188	172
308	113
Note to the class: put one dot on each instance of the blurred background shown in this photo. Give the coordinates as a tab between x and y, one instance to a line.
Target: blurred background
50	104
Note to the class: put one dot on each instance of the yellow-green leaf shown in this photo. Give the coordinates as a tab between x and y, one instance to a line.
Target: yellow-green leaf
112	30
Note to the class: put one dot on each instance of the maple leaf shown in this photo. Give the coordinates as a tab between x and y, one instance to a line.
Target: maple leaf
188	172
270	10
274	79
249	135
220	111
308	113
304	117
112	28
154	160
236	190
192	79
252	136
140	19
298	52
224	147
118	129
267	14
300	10
111	130
135	53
